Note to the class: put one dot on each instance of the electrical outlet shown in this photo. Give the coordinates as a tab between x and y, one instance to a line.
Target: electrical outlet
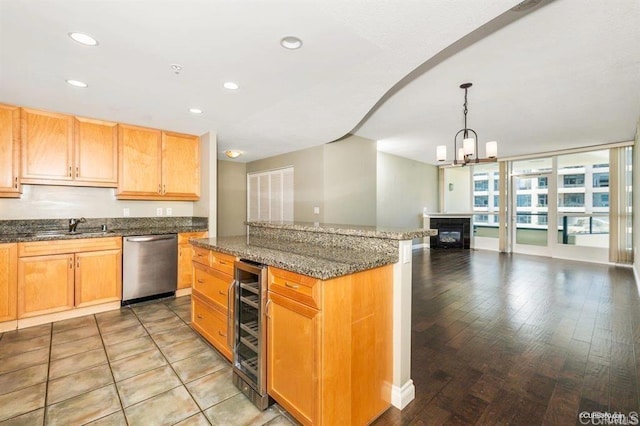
316	210
169	211
159	211
125	212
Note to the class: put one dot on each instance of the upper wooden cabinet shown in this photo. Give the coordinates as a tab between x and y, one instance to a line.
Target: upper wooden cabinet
96	152
9	151
59	149
155	165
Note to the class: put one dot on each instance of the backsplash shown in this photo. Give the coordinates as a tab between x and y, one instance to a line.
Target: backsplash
94	224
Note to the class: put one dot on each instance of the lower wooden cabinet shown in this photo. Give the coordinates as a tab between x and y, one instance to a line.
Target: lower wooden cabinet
185	253
329	356
59	275
212	324
8	281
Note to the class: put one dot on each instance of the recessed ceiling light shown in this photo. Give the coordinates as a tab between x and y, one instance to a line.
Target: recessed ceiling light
195	110
230	85
77	83
291	42
85	39
232	153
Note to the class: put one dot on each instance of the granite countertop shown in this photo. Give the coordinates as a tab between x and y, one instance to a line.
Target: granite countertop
308	259
50	235
354	230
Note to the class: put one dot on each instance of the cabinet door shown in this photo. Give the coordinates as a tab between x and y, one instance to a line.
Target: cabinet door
180	166
98	277
8	281
9	151
96	152
47	147
139	157
212	324
45	284
185	269
293	357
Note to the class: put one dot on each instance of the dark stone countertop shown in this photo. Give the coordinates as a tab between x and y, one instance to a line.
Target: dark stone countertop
308	259
50	235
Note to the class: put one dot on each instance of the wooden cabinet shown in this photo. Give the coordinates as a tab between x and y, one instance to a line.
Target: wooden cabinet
185	253
47	147
155	165
59	275
9	151
8	281
329	355
96	152
212	298
59	149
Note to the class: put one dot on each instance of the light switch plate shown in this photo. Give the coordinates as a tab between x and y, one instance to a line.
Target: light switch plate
159	211
316	210
125	212
169	211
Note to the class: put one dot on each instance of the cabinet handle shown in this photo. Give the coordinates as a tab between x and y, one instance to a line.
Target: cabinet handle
221	333
267	308
222	262
159	189
293	286
77	263
164	189
69	171
200	281
77	171
222	293
16	182
200	255
230	292
71	263
199	316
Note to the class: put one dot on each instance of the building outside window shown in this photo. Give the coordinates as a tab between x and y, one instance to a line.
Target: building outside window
481	201
571	200
524	184
601	199
543	182
573	181
601	180
481	218
523	218
496	201
543	200
481	185
523	200
543	219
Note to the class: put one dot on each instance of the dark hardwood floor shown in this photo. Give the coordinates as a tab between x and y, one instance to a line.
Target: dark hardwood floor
515	339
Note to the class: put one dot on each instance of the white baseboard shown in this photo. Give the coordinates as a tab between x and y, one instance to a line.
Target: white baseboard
402	396
8	326
420	246
63	315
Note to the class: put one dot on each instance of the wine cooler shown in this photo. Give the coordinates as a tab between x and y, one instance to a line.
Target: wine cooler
249	341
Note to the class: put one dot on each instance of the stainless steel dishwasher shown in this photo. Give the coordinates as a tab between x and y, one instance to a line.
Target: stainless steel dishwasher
149	266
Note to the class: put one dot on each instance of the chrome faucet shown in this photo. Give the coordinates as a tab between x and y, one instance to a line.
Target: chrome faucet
73	224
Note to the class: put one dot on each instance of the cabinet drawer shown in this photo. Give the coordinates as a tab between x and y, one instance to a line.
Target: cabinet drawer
212	324
202	256
298	287
222	262
212	284
39	248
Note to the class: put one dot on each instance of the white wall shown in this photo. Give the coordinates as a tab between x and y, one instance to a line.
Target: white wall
207	205
60	202
232	198
458	198
404	188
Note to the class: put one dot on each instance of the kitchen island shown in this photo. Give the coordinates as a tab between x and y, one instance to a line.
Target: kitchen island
339	316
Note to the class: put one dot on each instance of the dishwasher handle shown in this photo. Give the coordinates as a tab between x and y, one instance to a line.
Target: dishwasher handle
150	238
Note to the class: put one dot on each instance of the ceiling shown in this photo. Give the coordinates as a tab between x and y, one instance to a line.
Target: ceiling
566	74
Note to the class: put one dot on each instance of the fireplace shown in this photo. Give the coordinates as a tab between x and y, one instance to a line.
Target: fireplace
450	236
453	232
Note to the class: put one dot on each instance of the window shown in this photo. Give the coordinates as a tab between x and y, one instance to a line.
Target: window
543	182
481	218
523	200
270	195
481	185
481	201
496	184
543	219
600	199
601	180
523	218
524	183
496	201
571	200
572	181
542	200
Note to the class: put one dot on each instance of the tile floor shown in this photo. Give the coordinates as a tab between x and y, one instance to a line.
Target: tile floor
140	365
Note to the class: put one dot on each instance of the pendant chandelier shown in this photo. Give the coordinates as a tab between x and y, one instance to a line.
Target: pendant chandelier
465	147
